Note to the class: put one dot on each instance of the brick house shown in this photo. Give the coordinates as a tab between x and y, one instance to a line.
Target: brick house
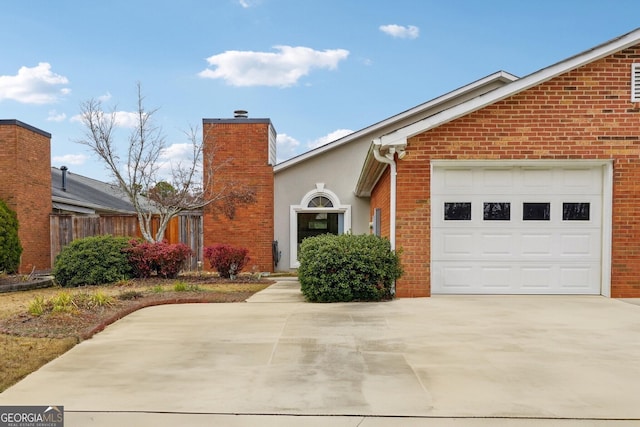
531	188
505	186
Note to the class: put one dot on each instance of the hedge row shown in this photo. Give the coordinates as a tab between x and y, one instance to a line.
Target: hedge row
106	259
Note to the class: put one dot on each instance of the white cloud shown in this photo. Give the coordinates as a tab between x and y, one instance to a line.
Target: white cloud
400	31
35	85
173	156
54	116
178	152
127	119
124	119
244	3
281	69
105	97
70	159
286	147
335	135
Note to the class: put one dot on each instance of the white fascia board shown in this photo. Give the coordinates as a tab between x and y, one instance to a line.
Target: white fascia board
497	76
400	136
73	208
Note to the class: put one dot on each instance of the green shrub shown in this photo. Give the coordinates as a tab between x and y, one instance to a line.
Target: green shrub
37	306
180	287
93	261
63	302
347	268
10	248
100	299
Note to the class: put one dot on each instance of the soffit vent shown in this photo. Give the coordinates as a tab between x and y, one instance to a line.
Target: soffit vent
635	82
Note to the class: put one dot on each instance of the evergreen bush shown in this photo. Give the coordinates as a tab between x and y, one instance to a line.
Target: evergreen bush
93	261
10	247
347	268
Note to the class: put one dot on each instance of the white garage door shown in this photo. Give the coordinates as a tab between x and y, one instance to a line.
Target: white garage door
516	230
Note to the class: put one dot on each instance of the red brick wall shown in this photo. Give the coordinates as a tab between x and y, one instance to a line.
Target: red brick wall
583	114
242	145
25	184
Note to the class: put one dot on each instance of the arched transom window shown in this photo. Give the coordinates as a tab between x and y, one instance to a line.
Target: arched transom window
320	202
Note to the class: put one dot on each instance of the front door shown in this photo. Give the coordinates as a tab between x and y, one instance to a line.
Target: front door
316	223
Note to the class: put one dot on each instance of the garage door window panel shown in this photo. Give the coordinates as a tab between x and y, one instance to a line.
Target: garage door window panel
457	211
576	211
497	211
536	211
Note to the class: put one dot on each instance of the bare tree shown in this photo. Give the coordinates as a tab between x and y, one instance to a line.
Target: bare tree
156	186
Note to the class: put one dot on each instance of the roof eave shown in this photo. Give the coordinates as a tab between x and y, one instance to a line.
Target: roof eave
400	136
513	88
499	76
92	206
369	175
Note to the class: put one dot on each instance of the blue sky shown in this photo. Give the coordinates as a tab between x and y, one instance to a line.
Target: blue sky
317	68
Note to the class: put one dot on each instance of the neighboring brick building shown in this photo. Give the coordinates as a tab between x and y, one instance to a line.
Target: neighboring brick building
25	185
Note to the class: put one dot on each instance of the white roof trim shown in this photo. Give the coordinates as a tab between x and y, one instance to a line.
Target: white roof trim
73	208
63	201
499	75
401	135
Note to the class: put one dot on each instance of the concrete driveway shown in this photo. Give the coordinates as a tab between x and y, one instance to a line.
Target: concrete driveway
276	360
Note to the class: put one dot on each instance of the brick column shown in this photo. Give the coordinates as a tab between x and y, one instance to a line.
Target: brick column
25	185
245	148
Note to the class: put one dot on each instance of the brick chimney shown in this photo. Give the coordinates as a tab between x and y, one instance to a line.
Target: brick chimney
246	148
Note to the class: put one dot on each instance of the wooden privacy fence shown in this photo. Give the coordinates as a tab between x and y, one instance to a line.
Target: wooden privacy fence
186	228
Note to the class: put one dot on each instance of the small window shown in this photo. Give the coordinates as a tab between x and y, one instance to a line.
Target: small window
575	211
497	211
457	211
536	211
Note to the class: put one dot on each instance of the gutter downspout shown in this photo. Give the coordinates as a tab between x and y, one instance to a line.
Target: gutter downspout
388	158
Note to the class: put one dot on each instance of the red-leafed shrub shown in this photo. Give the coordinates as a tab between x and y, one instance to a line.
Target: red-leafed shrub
161	258
226	259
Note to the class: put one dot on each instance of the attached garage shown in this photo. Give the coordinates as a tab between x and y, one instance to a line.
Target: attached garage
532	187
520	227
